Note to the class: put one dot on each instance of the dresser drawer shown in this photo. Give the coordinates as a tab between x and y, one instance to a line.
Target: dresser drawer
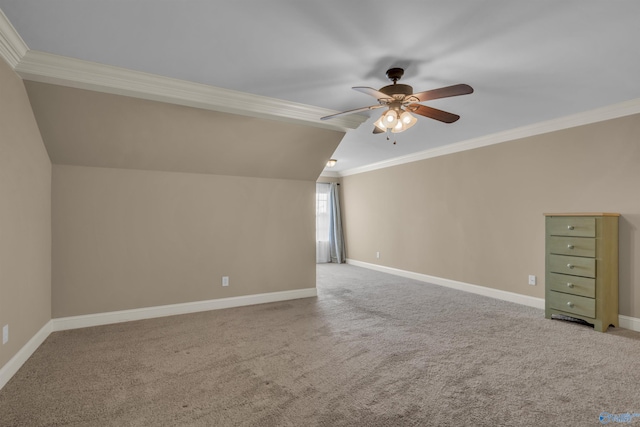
572	265
571	226
584	286
577	246
574	304
581	267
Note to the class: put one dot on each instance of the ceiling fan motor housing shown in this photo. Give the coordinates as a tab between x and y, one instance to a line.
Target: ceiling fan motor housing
397	89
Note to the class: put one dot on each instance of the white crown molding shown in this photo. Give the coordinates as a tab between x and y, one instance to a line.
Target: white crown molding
47	68
614	111
12	47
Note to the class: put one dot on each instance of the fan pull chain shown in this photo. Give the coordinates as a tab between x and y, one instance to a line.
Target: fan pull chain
389	139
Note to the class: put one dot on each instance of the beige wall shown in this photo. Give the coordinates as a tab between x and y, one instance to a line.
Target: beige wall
86	128
25	221
477	216
125	239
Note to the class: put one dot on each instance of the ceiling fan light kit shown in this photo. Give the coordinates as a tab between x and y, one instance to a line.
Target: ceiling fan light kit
401	102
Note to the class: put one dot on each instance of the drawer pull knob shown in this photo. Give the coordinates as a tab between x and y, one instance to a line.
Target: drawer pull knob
569	227
570	304
570	246
570	285
570	266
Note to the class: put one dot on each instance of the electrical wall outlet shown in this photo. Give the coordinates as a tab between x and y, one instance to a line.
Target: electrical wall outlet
532	280
5	334
225	280
378	255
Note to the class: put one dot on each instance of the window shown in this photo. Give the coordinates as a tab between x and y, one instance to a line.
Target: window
322	223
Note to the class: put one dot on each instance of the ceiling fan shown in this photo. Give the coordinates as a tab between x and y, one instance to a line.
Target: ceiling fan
401	102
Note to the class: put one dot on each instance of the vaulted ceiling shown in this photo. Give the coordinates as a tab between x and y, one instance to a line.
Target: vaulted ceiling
529	62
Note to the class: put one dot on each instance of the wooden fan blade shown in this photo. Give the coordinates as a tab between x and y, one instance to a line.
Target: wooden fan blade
443	92
376	129
433	113
373	92
357	110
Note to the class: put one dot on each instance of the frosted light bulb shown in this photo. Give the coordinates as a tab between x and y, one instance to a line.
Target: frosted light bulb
390	119
380	124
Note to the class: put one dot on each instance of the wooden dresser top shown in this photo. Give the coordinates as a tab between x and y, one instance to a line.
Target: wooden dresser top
582	214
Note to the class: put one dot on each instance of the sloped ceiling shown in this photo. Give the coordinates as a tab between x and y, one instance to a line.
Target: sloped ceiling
88	128
528	61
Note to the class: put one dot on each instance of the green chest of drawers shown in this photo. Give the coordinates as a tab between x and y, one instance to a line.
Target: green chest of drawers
581	277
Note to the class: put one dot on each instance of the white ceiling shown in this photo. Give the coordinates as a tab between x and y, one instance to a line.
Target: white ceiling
528	61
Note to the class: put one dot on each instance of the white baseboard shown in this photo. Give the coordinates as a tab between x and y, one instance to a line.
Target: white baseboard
12	366
626	322
461	286
75	322
84	321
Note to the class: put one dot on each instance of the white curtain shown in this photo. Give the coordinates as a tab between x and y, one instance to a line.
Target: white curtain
336	238
323	252
329	238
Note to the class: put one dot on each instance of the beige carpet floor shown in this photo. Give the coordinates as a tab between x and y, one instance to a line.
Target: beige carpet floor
371	350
